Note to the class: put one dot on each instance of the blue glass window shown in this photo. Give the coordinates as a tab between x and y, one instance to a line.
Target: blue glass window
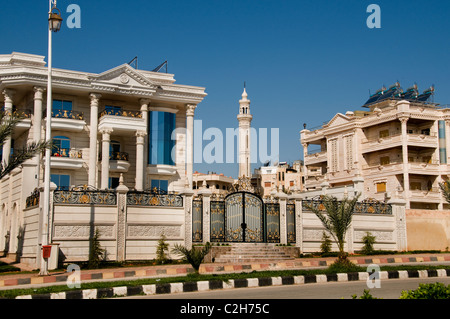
161	126
62	109
61	146
62	181
160	184
113	110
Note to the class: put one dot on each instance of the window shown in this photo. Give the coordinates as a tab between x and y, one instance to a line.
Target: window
385	160
161	126
415	186
113	110
61	181
267	184
426	159
62	109
61	146
381	187
384	133
113	182
291	183
425	131
160	184
114	150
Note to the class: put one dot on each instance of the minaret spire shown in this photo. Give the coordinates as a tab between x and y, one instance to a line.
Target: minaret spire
245	119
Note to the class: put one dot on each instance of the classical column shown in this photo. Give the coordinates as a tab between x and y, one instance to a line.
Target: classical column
404	121
8	95
140	141
106	138
145	103
305	154
37	118
190	110
93	128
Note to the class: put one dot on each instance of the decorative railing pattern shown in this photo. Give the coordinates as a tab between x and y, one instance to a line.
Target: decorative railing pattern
33	199
85	195
68	114
124	113
290	221
67	152
154	198
217	220
368	206
116	156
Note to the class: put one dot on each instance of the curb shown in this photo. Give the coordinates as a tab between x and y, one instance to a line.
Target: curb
169	288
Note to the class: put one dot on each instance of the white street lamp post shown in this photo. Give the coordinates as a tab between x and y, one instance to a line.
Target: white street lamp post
54	21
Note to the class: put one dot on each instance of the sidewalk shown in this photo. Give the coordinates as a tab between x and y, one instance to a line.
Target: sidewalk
15	281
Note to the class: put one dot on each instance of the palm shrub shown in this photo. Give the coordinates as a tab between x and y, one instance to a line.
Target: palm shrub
7	124
445	188
368	241
192	256
336	218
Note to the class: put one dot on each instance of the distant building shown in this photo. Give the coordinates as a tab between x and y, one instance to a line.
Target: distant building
283	177
216	183
399	147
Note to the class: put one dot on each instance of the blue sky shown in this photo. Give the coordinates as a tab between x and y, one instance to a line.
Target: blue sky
303	61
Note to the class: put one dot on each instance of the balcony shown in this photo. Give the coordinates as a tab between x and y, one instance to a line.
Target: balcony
118	162
67	120
25	123
123	122
419	168
424	195
65	158
391	141
317	157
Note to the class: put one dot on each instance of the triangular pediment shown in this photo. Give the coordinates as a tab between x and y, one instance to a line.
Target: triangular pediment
338	119
123	75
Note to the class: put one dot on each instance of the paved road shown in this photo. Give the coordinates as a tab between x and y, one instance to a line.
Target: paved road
390	289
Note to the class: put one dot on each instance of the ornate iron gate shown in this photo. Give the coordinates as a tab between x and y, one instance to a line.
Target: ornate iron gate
290	222
197	220
217	220
272	222
244	218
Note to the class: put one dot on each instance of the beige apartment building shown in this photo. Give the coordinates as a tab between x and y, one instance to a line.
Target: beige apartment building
283	177
217	183
395	149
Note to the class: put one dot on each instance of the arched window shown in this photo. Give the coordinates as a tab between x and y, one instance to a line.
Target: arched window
61	146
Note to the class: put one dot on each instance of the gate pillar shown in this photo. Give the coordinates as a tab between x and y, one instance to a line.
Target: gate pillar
282	197
206	193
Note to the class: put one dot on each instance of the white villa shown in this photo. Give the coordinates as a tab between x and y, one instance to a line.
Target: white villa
104	126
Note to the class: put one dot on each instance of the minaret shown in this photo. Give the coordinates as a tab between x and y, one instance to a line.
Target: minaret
245	119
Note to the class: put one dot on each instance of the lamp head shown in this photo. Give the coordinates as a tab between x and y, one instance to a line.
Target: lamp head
55	20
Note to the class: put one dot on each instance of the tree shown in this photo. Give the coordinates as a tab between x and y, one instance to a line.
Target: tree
369	241
336	220
8	123
193	256
95	251
445	188
161	257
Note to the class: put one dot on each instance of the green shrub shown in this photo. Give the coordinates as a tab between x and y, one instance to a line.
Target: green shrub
428	291
161	257
365	295
325	246
368	241
193	256
95	251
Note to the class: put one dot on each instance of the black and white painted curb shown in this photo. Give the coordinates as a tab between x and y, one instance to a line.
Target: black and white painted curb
156	289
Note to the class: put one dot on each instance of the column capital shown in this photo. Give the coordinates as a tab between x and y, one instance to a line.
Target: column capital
38	92
95	98
8	94
190	109
144	102
141	134
403	118
106	131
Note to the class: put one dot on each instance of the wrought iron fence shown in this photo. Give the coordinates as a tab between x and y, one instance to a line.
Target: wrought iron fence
290	221
68	114
197	221
217	220
85	195
368	206
124	113
154	198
